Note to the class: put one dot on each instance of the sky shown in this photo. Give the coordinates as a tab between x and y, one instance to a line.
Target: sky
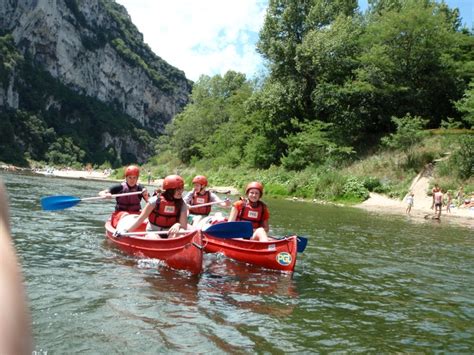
213	36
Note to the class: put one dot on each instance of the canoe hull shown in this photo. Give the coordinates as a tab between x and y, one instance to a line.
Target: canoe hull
181	253
275	254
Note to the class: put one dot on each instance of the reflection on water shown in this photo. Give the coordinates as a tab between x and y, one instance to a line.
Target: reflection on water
365	283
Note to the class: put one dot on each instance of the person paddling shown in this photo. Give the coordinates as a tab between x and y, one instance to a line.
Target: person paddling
131	203
166	211
200	195
253	210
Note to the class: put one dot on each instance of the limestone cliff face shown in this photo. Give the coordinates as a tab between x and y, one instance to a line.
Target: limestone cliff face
92	47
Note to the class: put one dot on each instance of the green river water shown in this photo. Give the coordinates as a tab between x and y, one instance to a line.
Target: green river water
365	283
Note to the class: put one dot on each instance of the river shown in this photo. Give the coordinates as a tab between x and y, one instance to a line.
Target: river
365	283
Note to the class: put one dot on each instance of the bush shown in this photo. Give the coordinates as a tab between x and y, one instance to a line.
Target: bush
371	183
355	188
464	157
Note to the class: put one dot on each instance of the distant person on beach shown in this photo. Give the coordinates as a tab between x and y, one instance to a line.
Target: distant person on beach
438	203
468	202
449	201
15	322
200	195
460	196
410	201
252	209
149	177
433	191
165	212
131	203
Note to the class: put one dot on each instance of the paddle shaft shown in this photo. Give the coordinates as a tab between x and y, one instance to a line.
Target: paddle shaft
111	196
206	204
154	232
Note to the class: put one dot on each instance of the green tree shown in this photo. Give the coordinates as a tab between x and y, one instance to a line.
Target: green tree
464	157
409	132
312	146
65	152
410	59
466	105
215	123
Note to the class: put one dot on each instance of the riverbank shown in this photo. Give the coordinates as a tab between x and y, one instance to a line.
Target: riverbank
76	174
377	203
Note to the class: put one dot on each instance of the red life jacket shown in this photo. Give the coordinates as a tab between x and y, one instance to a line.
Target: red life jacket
166	213
129	203
197	200
252	214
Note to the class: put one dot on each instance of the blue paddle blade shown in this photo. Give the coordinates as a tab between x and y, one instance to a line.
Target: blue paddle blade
301	244
228	230
53	203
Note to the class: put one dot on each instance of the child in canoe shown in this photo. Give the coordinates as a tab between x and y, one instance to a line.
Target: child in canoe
200	195
252	209
131	203
165	212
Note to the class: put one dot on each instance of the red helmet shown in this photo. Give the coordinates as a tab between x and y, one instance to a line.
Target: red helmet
201	180
254	185
173	182
132	170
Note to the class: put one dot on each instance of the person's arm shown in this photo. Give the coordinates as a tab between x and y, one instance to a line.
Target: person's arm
15	322
116	189
233	214
182	223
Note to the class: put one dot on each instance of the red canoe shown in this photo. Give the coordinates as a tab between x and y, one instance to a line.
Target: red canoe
276	254
181	253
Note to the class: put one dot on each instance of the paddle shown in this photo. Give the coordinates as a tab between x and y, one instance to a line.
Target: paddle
60	202
207	204
220	230
301	242
126	234
229	230
244	230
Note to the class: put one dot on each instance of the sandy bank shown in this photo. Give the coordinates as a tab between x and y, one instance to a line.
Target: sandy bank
77	174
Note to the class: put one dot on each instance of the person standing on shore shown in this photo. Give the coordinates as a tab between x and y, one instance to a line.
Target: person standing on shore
460	196
433	192
449	199
438	203
149	177
410	201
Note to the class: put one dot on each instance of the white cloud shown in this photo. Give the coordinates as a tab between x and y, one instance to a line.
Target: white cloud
201	37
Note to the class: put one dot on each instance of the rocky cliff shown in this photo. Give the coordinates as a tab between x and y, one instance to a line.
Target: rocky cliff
92	47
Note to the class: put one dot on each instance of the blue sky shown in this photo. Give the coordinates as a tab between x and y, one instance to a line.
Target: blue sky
213	36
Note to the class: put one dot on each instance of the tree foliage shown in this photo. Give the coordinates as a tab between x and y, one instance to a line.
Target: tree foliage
409	132
466	105
336	79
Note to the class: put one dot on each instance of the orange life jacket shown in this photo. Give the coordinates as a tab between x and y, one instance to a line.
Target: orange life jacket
166	213
252	214
199	199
